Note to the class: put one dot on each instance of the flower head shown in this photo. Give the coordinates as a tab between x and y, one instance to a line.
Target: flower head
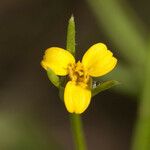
97	61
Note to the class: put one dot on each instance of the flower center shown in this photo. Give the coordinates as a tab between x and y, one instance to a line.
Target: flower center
78	74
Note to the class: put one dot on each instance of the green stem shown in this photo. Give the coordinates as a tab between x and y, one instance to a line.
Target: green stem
141	137
77	130
76	122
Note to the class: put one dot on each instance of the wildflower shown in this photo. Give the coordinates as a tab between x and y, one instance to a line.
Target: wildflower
97	61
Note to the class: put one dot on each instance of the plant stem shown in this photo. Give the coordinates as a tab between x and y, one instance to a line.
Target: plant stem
77	130
76	122
141	137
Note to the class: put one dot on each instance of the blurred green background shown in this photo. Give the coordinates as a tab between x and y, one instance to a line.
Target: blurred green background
31	115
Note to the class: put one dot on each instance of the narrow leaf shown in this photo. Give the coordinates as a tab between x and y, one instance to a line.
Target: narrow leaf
104	86
70	45
53	77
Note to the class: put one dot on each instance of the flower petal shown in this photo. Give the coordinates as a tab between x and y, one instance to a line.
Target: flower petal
98	60
76	98
58	60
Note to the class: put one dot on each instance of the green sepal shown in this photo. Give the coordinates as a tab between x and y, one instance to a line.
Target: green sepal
61	93
70	45
53	78
104	86
63	82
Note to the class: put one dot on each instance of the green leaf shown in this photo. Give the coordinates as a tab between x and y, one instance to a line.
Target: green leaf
70	45
104	86
53	77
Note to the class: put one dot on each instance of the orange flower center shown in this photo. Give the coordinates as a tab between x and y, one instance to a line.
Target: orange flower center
78	74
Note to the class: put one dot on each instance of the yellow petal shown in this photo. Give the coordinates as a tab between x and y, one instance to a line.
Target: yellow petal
98	60
57	59
76	98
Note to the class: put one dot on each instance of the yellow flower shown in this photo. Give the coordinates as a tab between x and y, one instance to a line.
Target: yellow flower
97	61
